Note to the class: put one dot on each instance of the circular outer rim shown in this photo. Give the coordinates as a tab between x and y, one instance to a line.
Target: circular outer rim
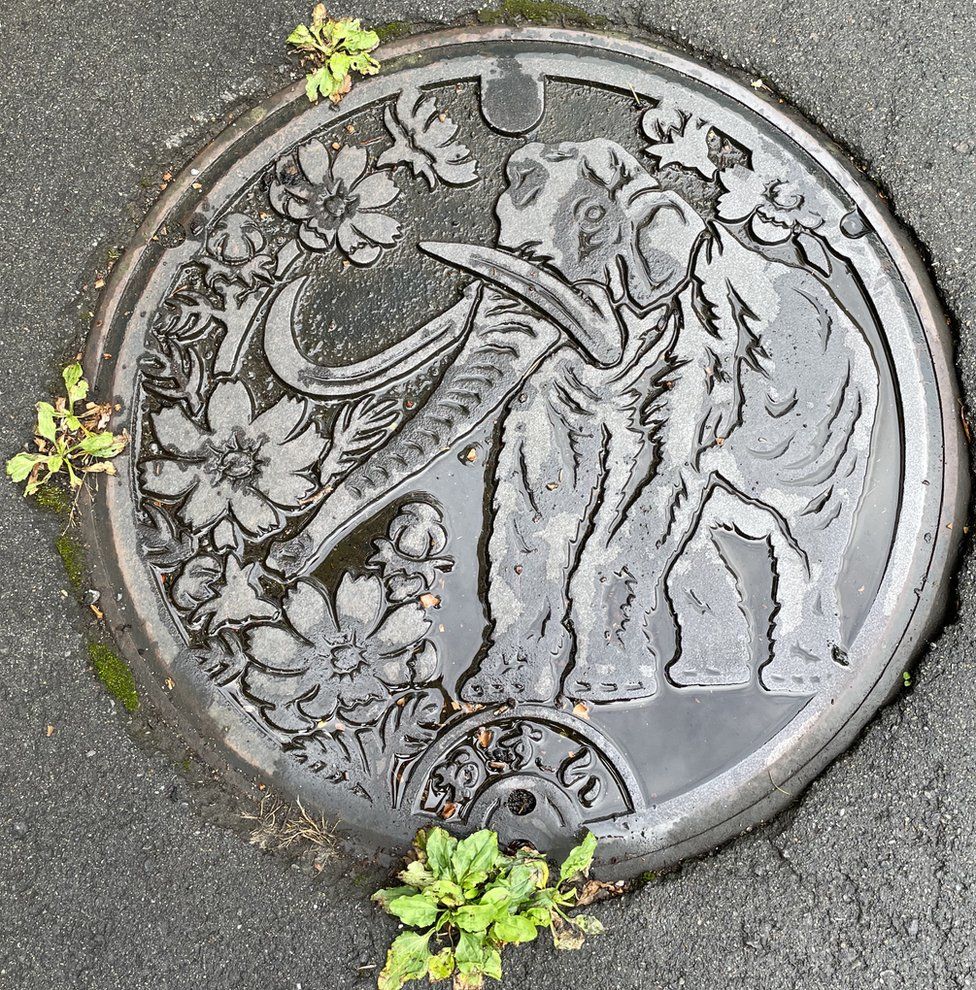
822	742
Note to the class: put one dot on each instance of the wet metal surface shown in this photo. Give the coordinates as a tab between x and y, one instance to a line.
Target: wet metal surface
523	443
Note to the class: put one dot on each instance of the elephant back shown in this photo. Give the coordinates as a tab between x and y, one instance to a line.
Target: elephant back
797	374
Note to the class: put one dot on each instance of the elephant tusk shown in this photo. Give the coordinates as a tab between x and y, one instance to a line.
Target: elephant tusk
591	323
322	381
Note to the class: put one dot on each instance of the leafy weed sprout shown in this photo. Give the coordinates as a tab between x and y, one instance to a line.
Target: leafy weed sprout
464	901
335	49
68	439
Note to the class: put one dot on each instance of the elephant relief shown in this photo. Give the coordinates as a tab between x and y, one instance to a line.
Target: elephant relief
671	404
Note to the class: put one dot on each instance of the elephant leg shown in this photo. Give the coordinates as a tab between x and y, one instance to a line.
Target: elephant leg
796	655
808	651
721	591
618	648
544	482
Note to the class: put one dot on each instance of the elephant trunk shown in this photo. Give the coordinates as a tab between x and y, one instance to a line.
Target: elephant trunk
504	344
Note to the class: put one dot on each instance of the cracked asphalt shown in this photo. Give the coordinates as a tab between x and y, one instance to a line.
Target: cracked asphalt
124	865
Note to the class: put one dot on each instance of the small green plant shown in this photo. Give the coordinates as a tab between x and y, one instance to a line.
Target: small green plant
465	900
335	50
67	439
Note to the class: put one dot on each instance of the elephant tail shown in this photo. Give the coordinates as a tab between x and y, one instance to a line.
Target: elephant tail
504	345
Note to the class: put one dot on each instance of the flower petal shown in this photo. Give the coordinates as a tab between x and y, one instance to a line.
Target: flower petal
358	603
376	190
206	505
299	453
230	408
278	696
393	670
364	255
177	433
424	664
360	689
168	478
286	490
277	649
310	612
278	194
252	511
278	421
297	208
401	628
349	165
355	247
313	157
377	228
311	239
225	535
324	702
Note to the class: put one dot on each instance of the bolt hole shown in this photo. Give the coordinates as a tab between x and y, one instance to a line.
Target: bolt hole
521	802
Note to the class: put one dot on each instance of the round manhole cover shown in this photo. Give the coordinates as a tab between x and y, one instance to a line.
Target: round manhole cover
555	433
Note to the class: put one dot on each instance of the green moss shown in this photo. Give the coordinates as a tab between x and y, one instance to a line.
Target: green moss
54	498
538	12
393	30
72	555
115	674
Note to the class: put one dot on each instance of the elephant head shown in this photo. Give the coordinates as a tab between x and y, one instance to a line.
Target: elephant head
584	233
593	212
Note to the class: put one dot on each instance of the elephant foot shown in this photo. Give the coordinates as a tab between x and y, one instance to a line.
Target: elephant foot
600	683
525	671
802	666
624	662
611	668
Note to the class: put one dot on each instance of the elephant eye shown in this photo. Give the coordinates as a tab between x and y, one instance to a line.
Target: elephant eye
592	216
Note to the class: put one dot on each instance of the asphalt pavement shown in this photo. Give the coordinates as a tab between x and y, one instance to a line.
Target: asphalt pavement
123	864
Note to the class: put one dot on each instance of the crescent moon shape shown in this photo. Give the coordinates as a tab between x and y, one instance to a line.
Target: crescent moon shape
322	381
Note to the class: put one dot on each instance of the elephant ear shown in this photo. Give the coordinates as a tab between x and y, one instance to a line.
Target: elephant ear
665	232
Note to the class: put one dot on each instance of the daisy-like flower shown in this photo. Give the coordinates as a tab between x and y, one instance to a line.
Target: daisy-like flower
240	466
342	658
336	201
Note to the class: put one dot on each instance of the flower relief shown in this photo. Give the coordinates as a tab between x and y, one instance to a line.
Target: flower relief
337	201
775	209
341	658
409	556
238	469
235	254
425	141
234	476
346	655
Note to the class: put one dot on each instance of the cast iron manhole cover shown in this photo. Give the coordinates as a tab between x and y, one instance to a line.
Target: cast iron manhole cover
555	434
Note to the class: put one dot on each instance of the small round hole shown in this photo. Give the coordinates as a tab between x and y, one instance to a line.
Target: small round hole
521	802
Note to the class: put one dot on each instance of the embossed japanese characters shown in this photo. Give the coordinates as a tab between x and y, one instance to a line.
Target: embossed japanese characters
553	434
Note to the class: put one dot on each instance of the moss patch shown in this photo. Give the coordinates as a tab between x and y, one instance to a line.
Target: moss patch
393	30
115	674
53	498
72	555
538	12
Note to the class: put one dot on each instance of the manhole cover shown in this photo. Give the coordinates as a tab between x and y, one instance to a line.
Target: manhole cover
555	434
